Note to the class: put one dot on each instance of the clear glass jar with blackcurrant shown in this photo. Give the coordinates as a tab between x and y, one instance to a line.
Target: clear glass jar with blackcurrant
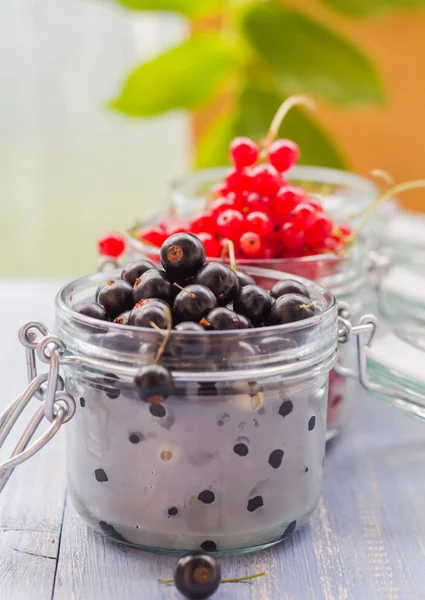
201	396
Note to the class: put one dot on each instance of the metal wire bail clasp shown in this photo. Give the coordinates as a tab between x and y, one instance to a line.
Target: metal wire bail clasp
56	405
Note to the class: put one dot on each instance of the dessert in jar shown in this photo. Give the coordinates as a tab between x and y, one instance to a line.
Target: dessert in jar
195	429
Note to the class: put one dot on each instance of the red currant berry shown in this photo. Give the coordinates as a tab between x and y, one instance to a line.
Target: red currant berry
211	244
203	222
293	238
238	199
303	216
265	180
230	224
255	203
260	223
219	206
318	232
111	244
154	235
283	154
243	152
238	181
287	198
269	249
250	244
218	189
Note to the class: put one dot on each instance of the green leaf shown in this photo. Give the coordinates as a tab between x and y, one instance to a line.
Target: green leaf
371	8
252	117
186	76
306	56
189	8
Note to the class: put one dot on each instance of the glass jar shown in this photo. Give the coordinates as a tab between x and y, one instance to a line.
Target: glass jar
232	461
345	196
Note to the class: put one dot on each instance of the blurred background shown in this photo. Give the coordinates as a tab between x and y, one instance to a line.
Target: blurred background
104	103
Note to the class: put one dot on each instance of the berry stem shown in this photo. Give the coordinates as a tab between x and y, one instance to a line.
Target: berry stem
236	579
181	288
158	329
231	580
401	187
281	113
230	248
166	336
383	176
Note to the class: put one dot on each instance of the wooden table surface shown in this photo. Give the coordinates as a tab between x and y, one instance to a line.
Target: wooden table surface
366	540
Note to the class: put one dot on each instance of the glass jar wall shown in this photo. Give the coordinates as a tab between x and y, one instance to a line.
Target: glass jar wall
232	461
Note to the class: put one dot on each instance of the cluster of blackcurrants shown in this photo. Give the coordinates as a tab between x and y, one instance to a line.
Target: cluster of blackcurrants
191	296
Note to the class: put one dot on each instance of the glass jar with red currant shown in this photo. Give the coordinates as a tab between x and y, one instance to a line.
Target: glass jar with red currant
342	197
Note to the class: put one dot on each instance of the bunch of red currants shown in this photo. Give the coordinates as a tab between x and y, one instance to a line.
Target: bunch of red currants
259	211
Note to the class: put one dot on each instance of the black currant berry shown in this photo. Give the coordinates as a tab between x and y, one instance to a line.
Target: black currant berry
221	280
152	312
222	318
197	575
93	310
152	284
120	342
154	383
133	270
289	286
116	296
122	319
290	308
240	351
244	323
253	302
182	255
193	303
188	346
244	279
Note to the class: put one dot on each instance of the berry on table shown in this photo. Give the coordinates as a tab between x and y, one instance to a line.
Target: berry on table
133	270
197	575
182	255
291	307
283	154
93	310
220	279
111	244
116	296
154	383
243	152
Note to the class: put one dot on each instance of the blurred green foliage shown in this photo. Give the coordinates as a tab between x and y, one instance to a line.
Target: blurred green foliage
263	53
